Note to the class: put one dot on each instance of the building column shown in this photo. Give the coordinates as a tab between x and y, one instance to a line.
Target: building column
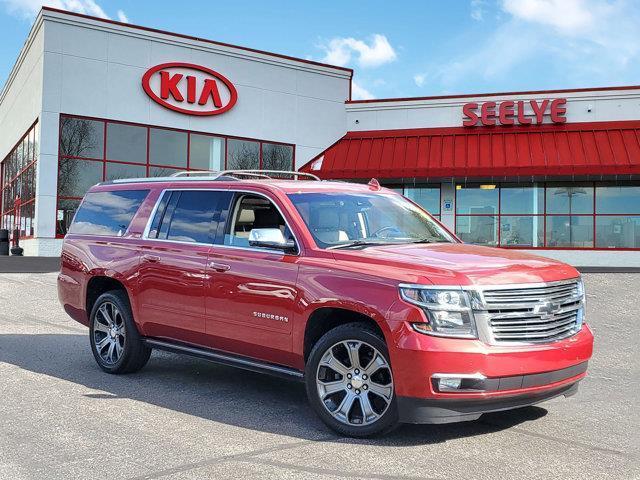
47	186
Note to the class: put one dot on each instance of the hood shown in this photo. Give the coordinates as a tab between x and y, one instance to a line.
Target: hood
457	264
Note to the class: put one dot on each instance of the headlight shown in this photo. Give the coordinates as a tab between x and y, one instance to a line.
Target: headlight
448	311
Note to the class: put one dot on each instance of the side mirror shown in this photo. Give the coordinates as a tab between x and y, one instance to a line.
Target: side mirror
271	238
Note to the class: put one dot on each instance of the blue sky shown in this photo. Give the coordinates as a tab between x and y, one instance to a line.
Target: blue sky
402	48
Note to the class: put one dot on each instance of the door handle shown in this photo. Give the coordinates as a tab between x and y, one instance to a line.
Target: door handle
151	258
219	267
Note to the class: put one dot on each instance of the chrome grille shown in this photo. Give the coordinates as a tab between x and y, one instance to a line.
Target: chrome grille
536	314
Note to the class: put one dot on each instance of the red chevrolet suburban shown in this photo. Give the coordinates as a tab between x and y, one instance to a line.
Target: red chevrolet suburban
383	313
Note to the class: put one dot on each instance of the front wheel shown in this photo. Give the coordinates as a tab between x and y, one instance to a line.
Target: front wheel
349	381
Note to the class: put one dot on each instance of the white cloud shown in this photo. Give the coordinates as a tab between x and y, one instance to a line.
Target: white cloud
122	17
563	42
30	8
477	10
567	16
360	93
419	79
339	51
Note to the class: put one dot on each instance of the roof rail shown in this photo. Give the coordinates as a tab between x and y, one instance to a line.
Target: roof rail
248	173
195	175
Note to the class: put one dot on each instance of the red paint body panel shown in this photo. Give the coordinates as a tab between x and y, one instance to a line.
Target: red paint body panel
217	296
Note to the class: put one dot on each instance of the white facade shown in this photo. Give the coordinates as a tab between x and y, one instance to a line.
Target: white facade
586	106
76	65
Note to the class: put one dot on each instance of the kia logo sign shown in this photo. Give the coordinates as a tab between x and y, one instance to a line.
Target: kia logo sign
510	112
189	89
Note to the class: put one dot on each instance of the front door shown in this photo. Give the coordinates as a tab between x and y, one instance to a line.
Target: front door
251	298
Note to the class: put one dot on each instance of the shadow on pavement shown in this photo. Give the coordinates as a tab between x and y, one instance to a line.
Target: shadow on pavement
218	393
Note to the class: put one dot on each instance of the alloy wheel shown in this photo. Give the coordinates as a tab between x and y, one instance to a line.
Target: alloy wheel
109	333
354	382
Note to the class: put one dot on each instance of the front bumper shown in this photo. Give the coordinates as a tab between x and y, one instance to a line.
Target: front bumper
449	410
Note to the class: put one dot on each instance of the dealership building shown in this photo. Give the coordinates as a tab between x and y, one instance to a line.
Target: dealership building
556	173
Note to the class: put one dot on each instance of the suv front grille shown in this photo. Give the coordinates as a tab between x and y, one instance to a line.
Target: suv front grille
534	314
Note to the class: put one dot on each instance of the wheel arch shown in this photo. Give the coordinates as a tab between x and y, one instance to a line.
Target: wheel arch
99	284
325	318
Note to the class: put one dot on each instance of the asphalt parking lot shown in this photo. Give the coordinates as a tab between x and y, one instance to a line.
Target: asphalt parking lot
61	417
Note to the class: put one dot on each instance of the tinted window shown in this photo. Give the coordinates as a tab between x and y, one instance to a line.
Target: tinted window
428	198
107	213
75	177
187	216
168	147
127	143
571	198
476	199
277	157
617	199
80	137
205	152
242	154
521	199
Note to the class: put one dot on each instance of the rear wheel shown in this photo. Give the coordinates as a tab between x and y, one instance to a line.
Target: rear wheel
349	381
115	341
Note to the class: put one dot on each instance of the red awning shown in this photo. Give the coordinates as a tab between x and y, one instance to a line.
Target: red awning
603	148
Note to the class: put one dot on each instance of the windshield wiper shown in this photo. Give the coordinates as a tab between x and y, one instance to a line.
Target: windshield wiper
356	243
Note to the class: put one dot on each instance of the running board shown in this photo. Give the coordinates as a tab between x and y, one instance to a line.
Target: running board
224	358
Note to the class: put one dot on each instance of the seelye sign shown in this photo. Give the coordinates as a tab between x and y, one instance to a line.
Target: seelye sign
189	89
509	112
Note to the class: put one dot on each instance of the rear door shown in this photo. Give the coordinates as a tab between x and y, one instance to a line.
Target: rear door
173	264
251	298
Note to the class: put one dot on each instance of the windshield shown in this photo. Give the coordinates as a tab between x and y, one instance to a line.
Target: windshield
345	220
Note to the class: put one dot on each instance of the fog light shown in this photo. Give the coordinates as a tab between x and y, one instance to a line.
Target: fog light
445	382
449	383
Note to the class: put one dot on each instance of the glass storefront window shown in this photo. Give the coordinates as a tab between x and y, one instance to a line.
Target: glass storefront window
521	199
617	198
167	147
64	215
427	197
75	177
128	155
18	180
206	152
277	157
243	155
117	171
569	198
80	137
126	143
477	199
569	231
521	231
618	231
481	230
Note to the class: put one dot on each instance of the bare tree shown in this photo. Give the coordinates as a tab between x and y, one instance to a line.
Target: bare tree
78	138
277	157
244	158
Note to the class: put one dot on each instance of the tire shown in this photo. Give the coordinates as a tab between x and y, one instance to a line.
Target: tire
331	389
119	349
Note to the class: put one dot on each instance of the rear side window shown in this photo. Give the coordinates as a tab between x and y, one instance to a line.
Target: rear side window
188	216
107	213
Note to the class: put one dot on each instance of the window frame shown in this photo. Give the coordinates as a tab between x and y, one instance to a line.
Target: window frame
168	194
148	165
228	218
